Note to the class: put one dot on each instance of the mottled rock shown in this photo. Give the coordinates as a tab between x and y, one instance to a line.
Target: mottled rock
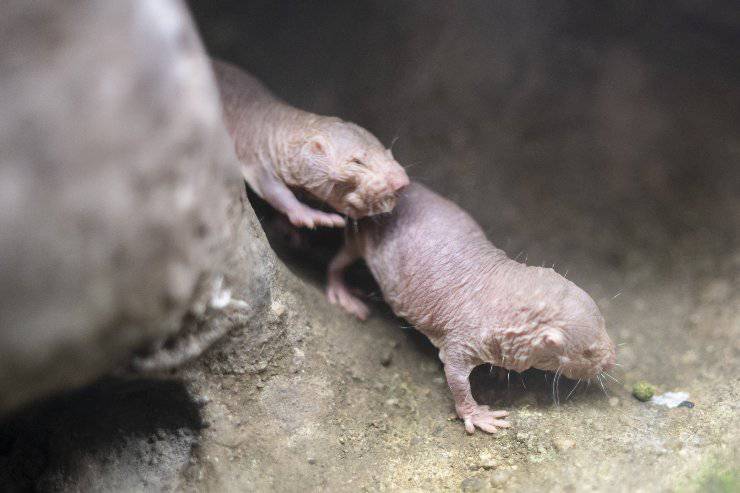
123	218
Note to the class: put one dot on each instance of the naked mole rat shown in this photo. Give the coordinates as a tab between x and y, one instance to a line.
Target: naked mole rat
281	147
437	270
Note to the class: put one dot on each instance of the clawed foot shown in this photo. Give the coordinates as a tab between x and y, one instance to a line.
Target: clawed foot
338	294
482	417
310	218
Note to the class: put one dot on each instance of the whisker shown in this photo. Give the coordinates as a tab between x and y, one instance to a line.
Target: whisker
573	389
603	387
556	386
560	376
615	296
521	379
553	388
617	381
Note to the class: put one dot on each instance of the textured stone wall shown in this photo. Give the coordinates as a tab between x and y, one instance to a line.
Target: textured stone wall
122	213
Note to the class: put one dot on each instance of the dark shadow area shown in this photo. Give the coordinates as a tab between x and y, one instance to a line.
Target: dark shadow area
116	435
500	388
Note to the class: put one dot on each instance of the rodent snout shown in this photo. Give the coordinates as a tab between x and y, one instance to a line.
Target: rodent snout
374	193
610	362
398	181
382	185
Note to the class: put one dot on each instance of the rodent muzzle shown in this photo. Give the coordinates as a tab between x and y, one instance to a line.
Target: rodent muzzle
397	182
374	195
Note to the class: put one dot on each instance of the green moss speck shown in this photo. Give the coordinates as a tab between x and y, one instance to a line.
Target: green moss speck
643	391
714	478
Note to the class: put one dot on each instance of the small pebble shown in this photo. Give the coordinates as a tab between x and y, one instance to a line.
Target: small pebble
485	460
562	444
473	484
277	308
614	401
311	460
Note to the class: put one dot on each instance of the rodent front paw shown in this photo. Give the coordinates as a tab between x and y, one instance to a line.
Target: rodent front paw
310	218
484	418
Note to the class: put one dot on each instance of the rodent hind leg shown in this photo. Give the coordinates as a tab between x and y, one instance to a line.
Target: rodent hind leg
281	198
337	290
473	414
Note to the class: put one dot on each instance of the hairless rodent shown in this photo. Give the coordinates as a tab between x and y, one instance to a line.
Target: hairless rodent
437	269
282	148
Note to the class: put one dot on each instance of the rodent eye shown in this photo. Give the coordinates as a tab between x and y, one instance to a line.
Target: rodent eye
357	162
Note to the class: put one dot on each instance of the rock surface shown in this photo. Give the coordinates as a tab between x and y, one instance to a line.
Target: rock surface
120	204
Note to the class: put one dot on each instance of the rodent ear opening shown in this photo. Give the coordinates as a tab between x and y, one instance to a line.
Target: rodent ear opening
316	147
315	152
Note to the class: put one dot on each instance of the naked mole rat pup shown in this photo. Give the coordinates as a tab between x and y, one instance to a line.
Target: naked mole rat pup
437	270
281	147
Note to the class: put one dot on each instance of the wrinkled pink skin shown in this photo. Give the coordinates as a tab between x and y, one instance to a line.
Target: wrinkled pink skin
438	271
281	147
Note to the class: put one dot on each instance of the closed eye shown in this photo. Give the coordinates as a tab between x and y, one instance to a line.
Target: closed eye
357	162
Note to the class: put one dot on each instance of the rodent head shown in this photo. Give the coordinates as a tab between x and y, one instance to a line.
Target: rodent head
561	329
348	168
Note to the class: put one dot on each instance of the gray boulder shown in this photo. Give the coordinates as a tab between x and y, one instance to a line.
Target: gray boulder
120	205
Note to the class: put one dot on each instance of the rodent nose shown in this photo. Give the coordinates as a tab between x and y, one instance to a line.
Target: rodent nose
398	181
611	362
